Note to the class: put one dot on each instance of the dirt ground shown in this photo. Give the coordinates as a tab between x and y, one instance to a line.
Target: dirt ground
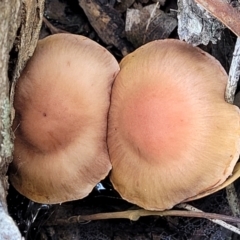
39	221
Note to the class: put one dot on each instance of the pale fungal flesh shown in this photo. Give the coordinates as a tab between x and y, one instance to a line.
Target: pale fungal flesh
62	100
171	135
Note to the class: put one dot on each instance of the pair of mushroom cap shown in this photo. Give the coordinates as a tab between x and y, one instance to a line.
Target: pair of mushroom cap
171	136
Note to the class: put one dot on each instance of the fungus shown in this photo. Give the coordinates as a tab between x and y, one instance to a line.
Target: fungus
61	104
171	135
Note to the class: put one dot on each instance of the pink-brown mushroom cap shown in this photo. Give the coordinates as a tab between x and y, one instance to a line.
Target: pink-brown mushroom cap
171	135
62	100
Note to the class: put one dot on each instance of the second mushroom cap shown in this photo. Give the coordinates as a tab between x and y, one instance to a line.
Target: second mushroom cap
171	134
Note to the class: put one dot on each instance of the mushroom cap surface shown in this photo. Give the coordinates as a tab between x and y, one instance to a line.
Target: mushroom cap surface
171	135
61	105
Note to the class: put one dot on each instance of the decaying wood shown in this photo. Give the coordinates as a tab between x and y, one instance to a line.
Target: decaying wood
9	14
19	28
224	12
28	35
9	22
234	73
195	25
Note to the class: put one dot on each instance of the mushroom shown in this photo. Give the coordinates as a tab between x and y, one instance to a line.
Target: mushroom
171	135
61	105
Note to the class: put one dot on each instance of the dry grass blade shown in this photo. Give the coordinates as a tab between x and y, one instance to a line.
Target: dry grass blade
150	19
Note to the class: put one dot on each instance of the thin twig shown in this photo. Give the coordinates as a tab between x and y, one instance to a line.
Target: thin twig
217	221
234	73
52	28
134	215
150	20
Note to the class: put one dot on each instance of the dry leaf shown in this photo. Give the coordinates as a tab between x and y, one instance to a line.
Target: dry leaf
148	24
107	22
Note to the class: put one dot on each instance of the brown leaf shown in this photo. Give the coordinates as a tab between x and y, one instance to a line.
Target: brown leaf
107	22
148	24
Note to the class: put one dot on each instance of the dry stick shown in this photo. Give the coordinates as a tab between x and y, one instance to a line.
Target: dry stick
233	79
234	73
52	29
134	215
217	221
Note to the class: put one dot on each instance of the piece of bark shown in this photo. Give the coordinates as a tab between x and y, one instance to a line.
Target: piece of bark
224	12
19	29
234	74
9	22
195	25
107	22
28	34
